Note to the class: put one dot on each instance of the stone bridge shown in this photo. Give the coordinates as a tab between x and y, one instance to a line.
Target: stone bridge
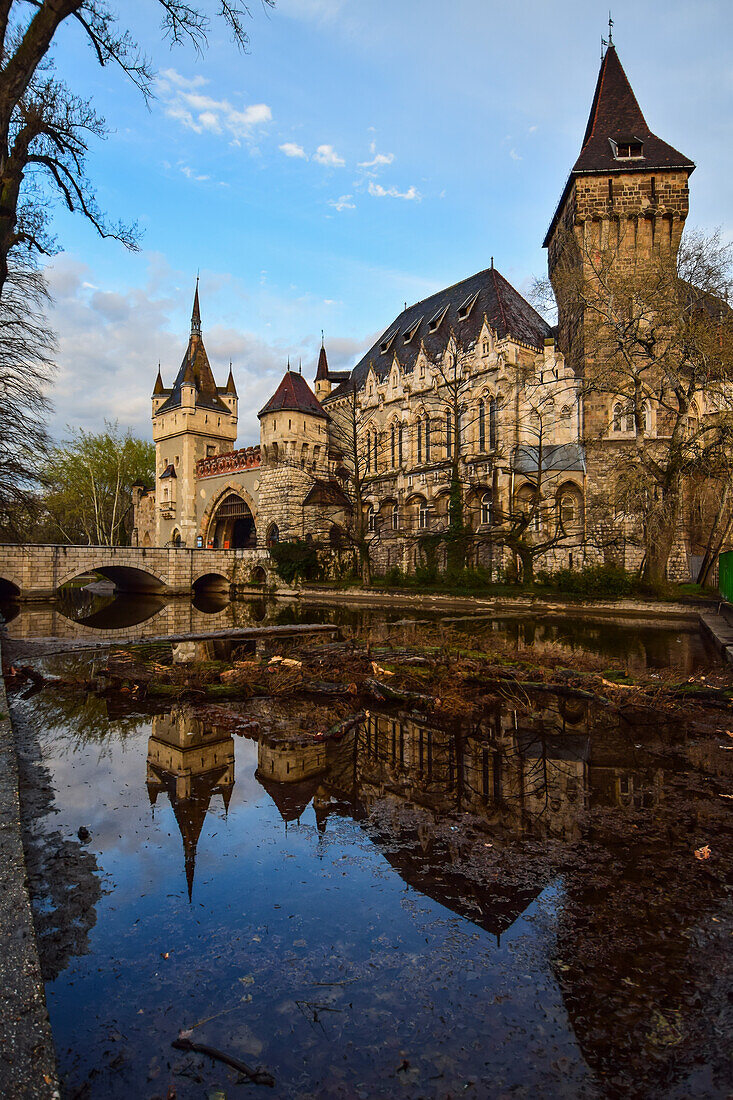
32	572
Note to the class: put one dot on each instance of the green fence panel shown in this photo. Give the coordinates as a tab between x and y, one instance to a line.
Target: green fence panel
725	575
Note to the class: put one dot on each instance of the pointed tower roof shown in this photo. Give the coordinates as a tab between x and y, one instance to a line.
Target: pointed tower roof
230	387
322	371
616	120
195	369
294	393
158	388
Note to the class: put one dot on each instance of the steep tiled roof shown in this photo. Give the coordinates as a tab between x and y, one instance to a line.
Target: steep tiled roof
322	371
195	369
294	393
616	117
460	308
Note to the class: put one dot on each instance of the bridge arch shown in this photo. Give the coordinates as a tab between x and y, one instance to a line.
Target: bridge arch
212	582
127	578
230	521
9	590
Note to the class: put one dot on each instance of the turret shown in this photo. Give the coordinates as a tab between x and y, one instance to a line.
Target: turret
322	382
293	425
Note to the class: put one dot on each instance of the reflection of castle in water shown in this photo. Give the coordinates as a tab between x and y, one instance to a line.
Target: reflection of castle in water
191	762
515	772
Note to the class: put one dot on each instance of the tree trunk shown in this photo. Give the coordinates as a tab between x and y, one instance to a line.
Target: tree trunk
660	535
527	561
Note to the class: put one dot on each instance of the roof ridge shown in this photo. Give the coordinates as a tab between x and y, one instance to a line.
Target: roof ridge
443	290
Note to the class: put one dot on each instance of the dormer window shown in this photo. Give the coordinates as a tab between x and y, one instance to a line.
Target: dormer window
633	149
387	342
465	308
437	318
410	332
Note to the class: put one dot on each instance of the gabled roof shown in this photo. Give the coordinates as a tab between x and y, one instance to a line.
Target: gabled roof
429	324
616	117
293	393
324	493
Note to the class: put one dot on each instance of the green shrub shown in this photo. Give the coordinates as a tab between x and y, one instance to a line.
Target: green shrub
296	560
595	580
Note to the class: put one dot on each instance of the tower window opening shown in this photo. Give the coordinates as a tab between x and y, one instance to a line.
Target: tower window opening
481	426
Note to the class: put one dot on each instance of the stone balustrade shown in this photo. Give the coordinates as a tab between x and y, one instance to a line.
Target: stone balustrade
243	459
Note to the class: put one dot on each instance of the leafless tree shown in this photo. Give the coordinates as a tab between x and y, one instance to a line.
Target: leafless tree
26	370
45	128
656	340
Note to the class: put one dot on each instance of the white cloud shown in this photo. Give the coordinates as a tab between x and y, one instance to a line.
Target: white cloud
291	149
514	154
380	192
326	154
342	203
185	102
379	160
190	174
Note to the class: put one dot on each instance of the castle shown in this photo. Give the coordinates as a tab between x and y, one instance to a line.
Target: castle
470	383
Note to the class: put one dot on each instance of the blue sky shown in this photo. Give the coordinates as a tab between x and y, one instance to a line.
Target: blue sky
361	155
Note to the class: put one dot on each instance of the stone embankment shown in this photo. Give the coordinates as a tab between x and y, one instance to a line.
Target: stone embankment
27	1055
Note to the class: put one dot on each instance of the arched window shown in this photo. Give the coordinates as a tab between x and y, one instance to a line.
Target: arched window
422	514
481	426
395	517
448	435
487	508
630	419
371	517
273	534
401	443
568	509
618	412
647	418
419	440
394	451
427	438
492	424
176	538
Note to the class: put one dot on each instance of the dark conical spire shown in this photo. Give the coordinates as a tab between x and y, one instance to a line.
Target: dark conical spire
616	121
158	388
230	387
196	312
322	371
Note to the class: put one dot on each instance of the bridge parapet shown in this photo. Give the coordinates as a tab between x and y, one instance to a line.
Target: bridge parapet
36	572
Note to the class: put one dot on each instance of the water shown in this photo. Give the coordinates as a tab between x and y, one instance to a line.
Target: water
79	615
504	905
495	908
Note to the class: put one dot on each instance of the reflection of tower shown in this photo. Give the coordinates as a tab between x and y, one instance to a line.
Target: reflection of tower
190	762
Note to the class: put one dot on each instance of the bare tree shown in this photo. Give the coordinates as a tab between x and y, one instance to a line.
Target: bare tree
26	370
656	341
45	128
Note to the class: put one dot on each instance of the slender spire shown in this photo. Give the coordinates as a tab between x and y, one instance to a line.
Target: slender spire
196	312
230	387
322	371
159	387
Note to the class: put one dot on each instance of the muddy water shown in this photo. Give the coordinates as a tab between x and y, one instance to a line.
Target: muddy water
502	908
79	615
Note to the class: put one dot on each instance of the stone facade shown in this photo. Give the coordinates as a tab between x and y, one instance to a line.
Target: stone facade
469	386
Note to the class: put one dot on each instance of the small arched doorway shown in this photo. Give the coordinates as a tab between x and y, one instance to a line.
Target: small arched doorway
232	525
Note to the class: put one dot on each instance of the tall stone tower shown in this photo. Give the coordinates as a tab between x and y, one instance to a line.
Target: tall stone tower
194	419
626	191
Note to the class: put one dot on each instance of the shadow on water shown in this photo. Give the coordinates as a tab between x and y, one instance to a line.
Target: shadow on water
360	914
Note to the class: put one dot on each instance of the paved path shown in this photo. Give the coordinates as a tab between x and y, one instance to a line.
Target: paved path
27	1055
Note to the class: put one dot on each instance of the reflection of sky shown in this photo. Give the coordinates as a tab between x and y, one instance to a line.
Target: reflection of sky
275	912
